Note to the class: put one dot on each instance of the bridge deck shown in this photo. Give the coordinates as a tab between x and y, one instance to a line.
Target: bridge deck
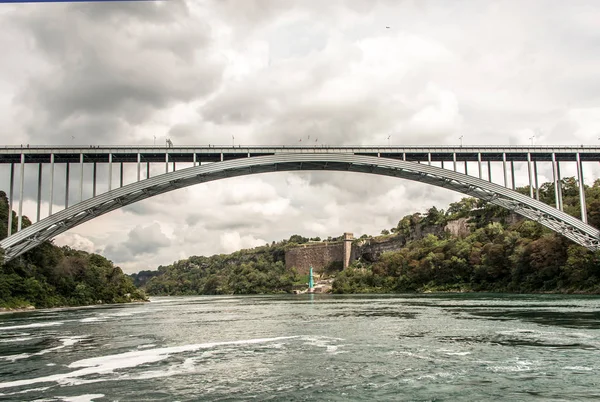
156	154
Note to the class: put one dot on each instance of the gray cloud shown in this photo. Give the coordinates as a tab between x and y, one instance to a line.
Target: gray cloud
277	72
141	240
101	80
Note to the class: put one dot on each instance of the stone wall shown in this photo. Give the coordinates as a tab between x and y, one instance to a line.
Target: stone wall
319	255
316	255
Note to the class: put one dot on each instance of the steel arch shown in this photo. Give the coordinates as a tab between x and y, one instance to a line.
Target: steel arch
84	211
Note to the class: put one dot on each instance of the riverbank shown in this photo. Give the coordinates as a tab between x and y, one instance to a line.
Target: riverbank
21	309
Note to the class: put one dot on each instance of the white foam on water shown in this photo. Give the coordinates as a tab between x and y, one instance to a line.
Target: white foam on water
38	325
580	335
153	300
65	342
92	319
22	339
276	346
519	365
81	398
322	342
415	355
452	352
188	366
123	314
150	345
25	391
578	368
108	364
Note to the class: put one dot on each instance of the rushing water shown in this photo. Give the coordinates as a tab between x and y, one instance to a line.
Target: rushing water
308	347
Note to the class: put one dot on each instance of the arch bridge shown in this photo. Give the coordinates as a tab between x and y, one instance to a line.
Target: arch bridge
438	166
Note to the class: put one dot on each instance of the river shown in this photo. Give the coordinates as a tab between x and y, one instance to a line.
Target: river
450	347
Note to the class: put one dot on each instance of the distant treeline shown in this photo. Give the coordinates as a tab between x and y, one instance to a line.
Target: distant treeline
255	271
50	276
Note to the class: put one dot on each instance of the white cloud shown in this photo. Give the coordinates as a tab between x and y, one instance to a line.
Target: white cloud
232	241
76	242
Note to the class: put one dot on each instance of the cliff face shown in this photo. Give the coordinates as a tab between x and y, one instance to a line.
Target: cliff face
321	255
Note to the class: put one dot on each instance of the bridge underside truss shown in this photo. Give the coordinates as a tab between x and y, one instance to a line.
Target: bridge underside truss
558	221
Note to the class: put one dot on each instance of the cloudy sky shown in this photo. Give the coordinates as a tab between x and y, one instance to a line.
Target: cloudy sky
277	71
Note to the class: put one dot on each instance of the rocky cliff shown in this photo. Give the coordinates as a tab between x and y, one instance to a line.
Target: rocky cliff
319	256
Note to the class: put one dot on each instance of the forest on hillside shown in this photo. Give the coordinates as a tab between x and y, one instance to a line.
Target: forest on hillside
255	271
51	276
502	253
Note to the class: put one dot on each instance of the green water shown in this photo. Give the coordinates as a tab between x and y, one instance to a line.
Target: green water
307	347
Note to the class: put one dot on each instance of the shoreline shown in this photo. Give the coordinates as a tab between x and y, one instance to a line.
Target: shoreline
9	310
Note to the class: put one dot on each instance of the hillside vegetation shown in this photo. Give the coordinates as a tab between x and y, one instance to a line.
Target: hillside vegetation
50	276
501	254
259	270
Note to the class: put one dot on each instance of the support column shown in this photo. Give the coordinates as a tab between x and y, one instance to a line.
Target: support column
530	174
121	176
11	186
81	178
94	180
21	189
51	197
174	166
454	160
479	163
443	164
490	171
39	192
429	158
404	156
466	167
557	182
535	177
512	173
221	156
109	172
147	170
195	158
139	167
166	162
67	185
560	198
504	169
581	189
